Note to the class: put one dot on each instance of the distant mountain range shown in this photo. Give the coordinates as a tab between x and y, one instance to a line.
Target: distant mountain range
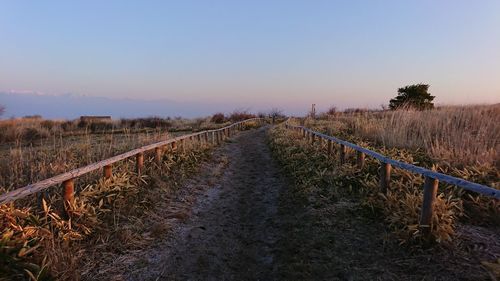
70	106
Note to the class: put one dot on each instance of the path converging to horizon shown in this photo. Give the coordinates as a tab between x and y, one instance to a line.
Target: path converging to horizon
236	219
232	230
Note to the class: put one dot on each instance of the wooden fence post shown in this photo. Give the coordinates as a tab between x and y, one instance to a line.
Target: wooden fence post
174	145
198	137
361	160
158	155
139	158
313	138
430	192
68	190
385	177
342	154
68	195
206	137
107	171
330	145
303	133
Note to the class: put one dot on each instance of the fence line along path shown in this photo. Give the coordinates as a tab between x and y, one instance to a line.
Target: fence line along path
67	179
432	178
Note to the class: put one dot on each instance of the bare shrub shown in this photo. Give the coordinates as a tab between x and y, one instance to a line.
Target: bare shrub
218	118
238	115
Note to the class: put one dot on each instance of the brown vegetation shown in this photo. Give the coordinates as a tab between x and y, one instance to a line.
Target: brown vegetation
336	216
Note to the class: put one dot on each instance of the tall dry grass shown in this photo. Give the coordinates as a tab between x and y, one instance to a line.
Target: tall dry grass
461	141
33	149
24	164
460	135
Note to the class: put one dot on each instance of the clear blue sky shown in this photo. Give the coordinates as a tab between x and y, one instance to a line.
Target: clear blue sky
256	54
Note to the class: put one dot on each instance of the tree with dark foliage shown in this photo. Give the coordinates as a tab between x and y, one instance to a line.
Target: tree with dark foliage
413	96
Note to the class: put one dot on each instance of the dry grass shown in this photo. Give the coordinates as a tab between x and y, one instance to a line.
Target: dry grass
106	218
23	164
465	135
39	240
30	130
460	141
52	150
321	188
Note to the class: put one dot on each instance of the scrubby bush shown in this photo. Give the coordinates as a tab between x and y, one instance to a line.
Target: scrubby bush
30	134
218	118
237	116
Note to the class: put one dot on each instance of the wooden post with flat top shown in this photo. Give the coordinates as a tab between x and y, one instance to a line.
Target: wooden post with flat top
158	154
107	171
430	192
385	177
139	158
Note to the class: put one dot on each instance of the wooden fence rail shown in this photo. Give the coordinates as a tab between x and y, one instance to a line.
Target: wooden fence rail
67	179
432	178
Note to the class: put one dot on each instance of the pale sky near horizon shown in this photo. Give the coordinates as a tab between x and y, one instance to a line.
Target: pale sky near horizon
259	54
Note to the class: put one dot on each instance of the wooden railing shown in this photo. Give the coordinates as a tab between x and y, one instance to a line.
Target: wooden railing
432	178
67	179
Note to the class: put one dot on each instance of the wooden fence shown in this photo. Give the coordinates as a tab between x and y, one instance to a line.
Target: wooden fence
432	178
67	179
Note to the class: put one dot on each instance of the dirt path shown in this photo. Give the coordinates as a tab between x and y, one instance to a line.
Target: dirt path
232	230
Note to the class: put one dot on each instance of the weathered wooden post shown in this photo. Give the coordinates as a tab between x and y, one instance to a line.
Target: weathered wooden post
218	133
313	138
198	136
68	195
206	137
330	146
361	160
430	192
107	170
342	154
139	159
385	177
303	132
68	190
174	145
158	154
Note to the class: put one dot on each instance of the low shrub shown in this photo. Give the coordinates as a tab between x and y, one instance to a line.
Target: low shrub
218	118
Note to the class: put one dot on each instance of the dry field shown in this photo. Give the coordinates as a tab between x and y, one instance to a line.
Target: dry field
330	221
35	149
39	240
460	141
